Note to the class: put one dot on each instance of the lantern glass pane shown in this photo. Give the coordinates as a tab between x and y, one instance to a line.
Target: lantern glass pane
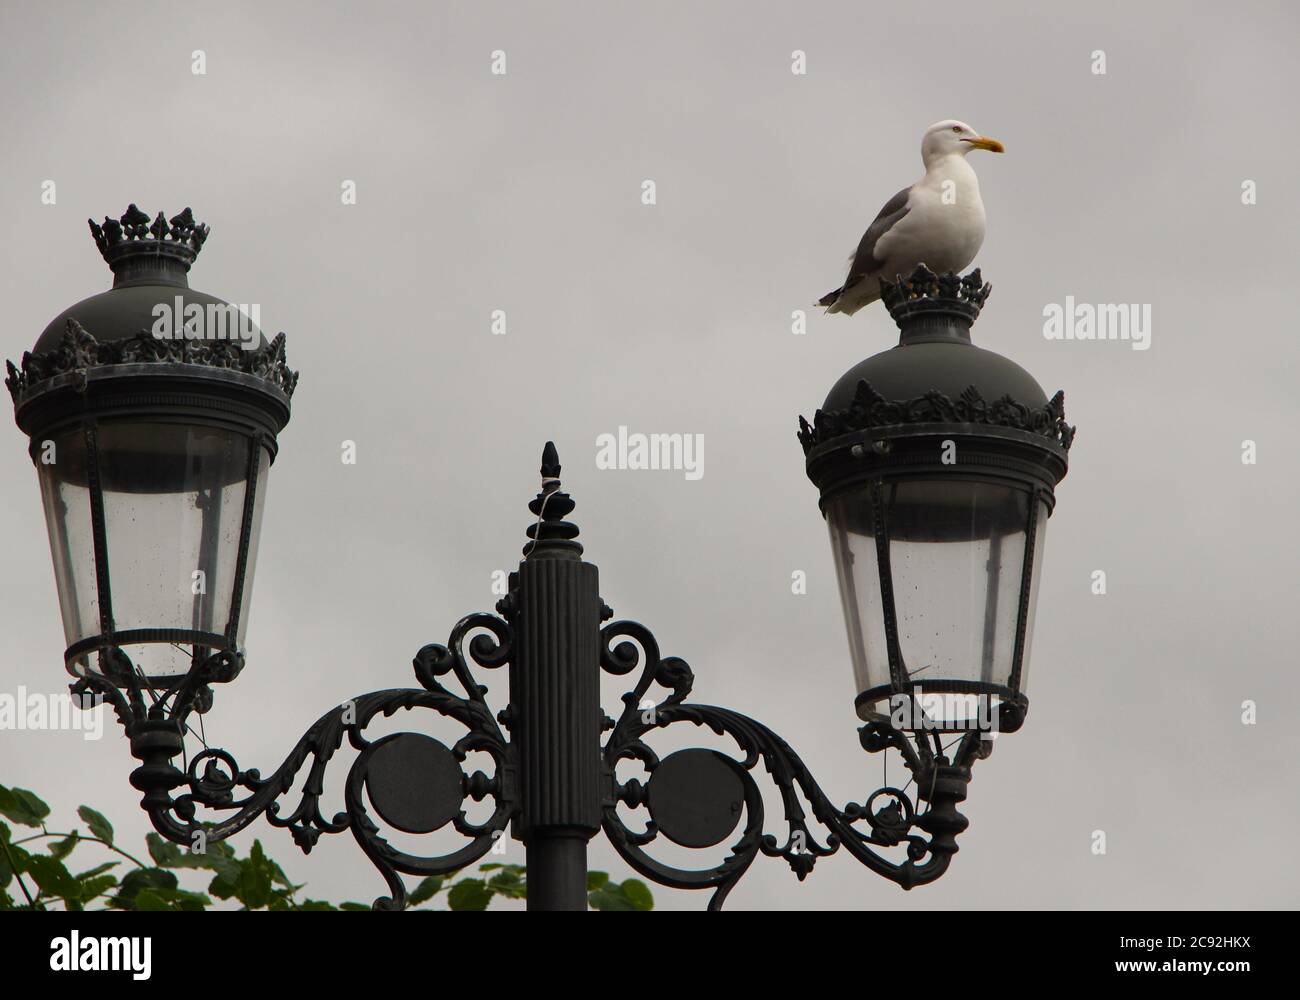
61	468
259	500
173	499
1040	535
956	555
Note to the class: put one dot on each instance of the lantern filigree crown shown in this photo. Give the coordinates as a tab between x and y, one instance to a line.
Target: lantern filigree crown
924	292
133	235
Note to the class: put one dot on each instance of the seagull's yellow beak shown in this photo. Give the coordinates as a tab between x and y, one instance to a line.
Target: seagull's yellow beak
984	142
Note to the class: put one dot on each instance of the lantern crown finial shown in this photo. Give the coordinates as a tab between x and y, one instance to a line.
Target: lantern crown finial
135	248
935	305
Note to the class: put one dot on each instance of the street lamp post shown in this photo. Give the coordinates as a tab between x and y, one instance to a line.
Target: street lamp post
936	502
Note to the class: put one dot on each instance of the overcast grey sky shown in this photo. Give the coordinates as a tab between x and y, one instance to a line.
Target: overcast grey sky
522	192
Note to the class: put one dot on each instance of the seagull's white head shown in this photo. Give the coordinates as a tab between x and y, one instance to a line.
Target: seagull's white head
953	138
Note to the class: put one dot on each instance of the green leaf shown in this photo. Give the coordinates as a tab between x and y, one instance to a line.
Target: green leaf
278	876
93	887
224	885
6	871
469	894
53	878
138	881
12	850
32	802
609	899
254	889
165	854
168	855
314	904
509	884
22	806
426	890
638	894
218	857
191	902
596	880
97	870
98	825
631	894
149	901
354	907
171	899
60	849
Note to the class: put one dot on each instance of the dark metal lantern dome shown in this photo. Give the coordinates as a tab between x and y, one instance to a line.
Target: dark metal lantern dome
934	352
935	375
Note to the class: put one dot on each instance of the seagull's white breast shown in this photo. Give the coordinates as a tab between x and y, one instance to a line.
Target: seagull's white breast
944	225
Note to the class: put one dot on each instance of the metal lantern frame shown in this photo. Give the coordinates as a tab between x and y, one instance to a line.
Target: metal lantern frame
557	758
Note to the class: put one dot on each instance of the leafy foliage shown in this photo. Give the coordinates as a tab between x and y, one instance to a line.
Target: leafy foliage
31	880
630	894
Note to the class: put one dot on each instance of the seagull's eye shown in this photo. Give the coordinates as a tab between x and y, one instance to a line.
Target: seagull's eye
956	128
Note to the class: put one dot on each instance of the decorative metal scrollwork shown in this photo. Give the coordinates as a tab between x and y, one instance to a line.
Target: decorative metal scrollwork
702	809
695	797
414	782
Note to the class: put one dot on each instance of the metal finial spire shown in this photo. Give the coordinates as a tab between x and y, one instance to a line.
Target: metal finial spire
550	462
551	535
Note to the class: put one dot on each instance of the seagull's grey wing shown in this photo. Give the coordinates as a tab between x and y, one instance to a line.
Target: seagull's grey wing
864	260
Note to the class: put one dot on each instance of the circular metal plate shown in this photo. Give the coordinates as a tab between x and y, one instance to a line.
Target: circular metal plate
696	797
414	782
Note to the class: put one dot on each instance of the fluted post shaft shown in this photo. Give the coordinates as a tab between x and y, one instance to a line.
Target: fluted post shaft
555	698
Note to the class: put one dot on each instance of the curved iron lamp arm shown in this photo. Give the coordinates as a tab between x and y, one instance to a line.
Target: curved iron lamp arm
214	780
677	809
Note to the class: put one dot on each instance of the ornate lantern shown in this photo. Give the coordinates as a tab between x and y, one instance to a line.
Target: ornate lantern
153	411
937	463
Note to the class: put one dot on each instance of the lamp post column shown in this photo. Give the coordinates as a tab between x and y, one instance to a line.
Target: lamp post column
556	610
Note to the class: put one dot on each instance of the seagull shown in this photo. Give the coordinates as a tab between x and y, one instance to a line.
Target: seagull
938	221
